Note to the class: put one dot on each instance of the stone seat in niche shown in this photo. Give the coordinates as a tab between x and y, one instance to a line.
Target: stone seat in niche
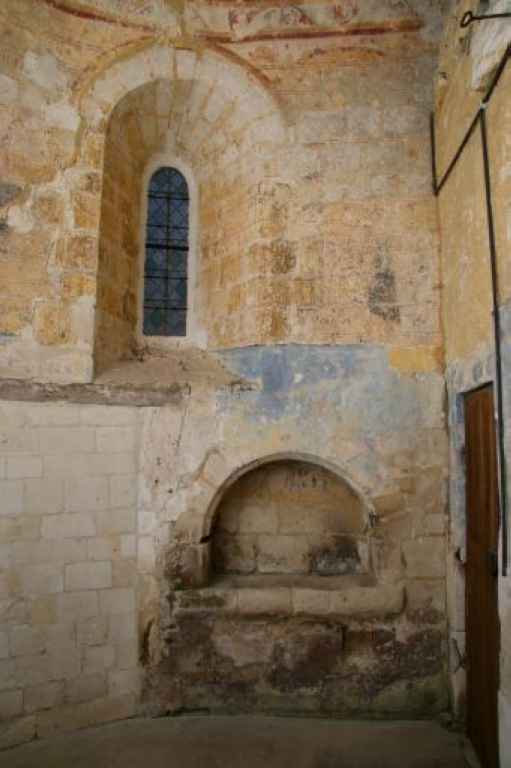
335	597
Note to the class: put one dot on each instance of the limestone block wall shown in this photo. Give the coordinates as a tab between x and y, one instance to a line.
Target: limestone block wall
68	567
118	251
467	305
274	171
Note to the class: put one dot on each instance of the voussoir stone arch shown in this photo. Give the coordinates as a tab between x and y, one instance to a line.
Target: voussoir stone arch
196	521
169	63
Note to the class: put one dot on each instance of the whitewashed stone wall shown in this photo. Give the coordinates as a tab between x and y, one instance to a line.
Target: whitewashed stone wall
68	566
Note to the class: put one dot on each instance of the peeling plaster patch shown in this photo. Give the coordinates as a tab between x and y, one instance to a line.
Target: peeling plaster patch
62	115
8	90
355	382
44	71
91	111
20	219
82	320
8	192
382	291
416	359
245	23
488	44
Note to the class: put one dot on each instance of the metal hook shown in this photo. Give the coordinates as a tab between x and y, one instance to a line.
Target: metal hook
469	17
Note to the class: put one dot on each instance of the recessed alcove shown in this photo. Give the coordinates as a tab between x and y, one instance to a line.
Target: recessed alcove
290	519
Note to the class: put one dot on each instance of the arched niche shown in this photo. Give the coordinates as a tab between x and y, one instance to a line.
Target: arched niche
334	513
292	517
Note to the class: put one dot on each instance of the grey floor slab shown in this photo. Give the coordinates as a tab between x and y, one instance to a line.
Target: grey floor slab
245	742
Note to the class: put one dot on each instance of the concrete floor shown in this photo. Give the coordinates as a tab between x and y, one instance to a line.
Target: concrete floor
245	742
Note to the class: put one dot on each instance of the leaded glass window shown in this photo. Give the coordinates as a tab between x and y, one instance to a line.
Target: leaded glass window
166	254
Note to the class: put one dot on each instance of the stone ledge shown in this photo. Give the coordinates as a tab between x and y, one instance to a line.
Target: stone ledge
92	394
354	601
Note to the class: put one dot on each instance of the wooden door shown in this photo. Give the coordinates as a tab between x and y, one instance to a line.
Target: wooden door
482	623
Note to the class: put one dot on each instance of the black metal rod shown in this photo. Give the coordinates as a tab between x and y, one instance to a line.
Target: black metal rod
470	17
459	153
480	117
433	152
489	93
498	74
498	339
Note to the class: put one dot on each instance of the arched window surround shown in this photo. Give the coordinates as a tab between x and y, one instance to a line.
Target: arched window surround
193	337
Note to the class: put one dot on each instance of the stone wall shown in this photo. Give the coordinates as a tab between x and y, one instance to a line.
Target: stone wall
388	443
467	64
118	251
68	567
92	466
316	282
312	166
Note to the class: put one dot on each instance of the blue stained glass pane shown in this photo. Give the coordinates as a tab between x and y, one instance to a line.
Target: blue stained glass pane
166	287
156	262
157	235
177	183
179	239
177	323
157	213
160	181
154	322
155	289
177	293
179	261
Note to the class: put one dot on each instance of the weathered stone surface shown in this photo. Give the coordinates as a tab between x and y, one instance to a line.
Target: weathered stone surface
284	518
425	557
101	394
468	309
188	565
8	193
258	597
277	157
367	601
426	600
311	210
254	602
68	611
247	663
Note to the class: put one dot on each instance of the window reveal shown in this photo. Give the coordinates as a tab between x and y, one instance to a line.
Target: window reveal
166	254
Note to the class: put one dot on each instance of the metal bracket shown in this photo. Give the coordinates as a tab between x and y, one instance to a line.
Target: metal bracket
461	658
470	17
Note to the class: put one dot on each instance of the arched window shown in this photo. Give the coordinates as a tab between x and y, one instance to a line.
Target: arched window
166	254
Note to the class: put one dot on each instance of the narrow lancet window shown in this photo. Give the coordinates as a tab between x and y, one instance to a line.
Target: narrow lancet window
166	254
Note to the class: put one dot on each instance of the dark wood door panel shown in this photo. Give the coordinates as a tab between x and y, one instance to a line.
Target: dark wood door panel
482	623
